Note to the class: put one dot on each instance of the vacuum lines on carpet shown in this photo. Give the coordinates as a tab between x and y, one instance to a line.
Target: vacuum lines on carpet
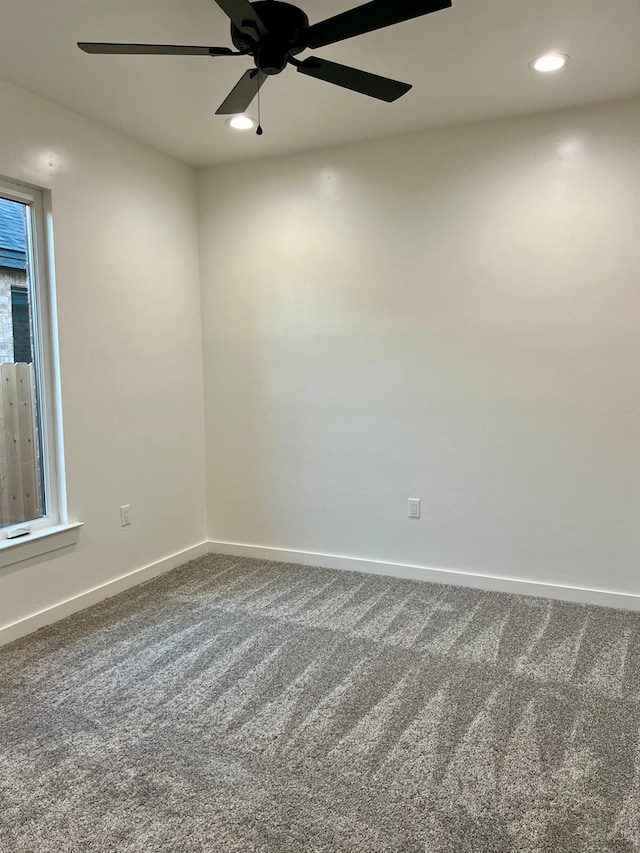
238	706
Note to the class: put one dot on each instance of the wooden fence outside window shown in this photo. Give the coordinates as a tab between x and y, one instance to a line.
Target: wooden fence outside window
20	472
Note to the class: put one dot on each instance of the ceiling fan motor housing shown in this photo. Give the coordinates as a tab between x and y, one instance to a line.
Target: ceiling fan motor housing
285	23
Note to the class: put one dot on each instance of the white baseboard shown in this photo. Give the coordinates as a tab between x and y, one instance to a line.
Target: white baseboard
581	595
58	611
22	627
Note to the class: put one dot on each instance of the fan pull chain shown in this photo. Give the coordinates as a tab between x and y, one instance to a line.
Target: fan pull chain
259	130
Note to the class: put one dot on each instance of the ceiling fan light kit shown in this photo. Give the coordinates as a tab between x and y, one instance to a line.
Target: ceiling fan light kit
273	33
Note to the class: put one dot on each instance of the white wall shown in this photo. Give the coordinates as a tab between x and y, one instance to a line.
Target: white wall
125	222
451	316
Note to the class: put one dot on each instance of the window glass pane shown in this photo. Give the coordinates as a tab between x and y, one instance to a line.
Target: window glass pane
21	464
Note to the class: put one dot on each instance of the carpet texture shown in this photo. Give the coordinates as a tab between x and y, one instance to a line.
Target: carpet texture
237	706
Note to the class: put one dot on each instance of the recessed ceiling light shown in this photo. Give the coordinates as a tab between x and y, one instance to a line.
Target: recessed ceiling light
241	122
550	62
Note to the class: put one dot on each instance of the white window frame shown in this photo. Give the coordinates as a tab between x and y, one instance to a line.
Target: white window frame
52	530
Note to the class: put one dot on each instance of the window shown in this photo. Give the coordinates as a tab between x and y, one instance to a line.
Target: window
31	475
22	326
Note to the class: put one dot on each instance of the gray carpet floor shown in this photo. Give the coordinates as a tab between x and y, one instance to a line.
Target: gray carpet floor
236	706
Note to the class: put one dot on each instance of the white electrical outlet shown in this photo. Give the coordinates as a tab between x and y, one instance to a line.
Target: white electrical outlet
125	515
414	507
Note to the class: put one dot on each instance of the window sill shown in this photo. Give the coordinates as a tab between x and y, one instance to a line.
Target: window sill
40	542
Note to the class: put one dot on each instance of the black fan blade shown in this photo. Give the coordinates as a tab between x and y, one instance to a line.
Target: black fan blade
351	78
161	49
371	16
244	16
245	90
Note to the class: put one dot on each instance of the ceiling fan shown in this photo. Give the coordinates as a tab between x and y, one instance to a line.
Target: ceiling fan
274	32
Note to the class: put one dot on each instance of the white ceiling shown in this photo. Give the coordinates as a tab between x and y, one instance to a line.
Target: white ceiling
469	62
